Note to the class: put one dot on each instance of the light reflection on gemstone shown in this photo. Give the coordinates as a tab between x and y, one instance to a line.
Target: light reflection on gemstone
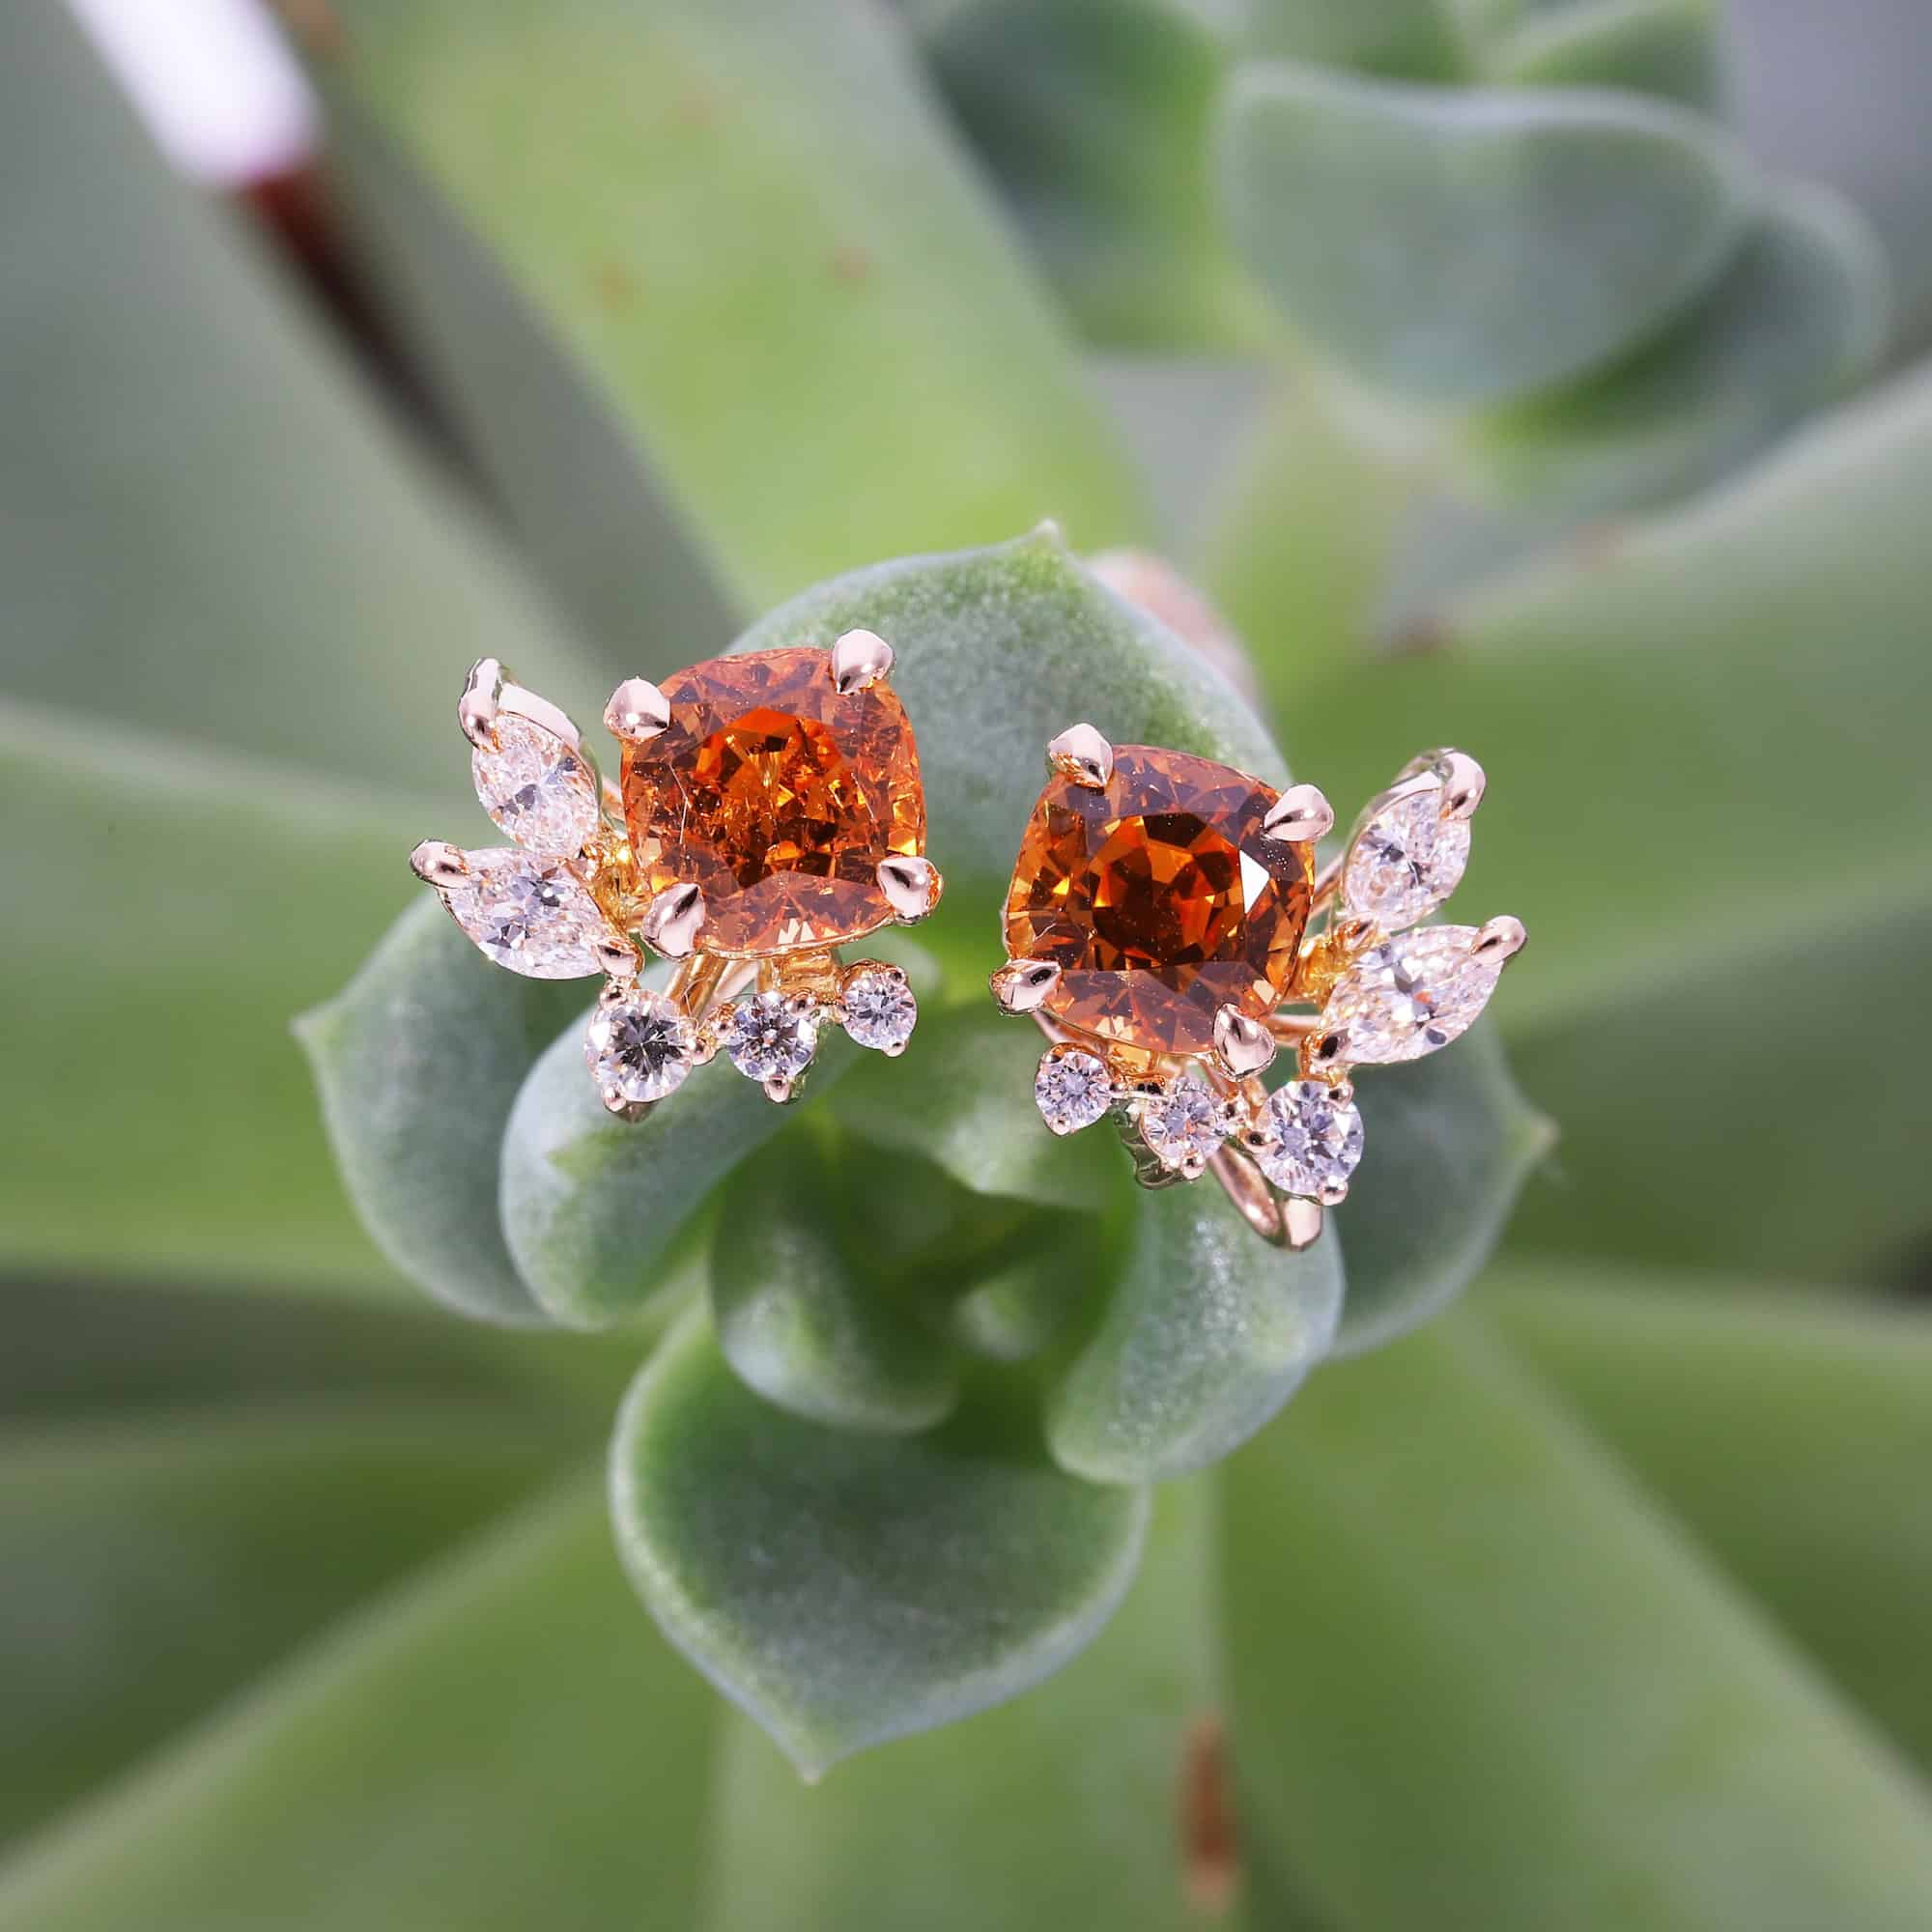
1182	1121
535	788
642	1047
772	1036
1073	1090
1410	995
529	914
1313	1139
877	1008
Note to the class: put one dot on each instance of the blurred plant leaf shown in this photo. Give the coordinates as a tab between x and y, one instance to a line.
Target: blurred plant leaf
1667	49
1790	1436
1065	1807
209	531
1208	1332
593	1208
613	546
844	1588
418	1060
155	1566
496	1744
1617	212
1398	39
611	155
1094	121
162	890
795	1321
1647	1751
1798	314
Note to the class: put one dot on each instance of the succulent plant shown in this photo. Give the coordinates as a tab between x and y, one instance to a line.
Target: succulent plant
1122	1570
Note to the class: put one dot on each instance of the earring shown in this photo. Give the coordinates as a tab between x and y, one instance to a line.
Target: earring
1158	925
768	810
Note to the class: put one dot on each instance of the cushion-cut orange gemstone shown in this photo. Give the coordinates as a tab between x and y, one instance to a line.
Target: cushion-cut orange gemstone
1161	898
778	796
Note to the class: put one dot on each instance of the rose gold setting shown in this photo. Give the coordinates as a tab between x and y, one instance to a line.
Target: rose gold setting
554	905
1118	906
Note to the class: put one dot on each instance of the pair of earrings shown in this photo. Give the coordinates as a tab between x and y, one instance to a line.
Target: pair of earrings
1158	926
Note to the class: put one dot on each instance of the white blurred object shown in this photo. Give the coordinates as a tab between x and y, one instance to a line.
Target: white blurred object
213	79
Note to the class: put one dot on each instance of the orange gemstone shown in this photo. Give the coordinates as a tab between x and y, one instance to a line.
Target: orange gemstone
1161	898
778	796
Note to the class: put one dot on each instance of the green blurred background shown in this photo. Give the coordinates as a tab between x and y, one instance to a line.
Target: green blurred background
1545	378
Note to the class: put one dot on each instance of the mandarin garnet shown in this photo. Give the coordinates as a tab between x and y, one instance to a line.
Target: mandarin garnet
777	795
1160	898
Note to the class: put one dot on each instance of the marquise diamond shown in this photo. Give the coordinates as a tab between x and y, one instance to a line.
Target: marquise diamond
1405	860
535	788
1411	994
527	912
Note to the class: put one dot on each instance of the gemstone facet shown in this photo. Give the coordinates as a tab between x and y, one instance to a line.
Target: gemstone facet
772	1036
641	1047
877	1008
1405	860
778	795
1181	1122
1073	1090
1411	994
1314	1139
1160	898
535	788
527	912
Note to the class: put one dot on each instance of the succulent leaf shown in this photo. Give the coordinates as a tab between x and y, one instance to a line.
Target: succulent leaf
1208	1332
1398	228
1396	39
418	1061
846	1588
1667	48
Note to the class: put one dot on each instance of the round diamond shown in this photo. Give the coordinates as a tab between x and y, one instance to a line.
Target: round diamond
1073	1090
1314	1139
535	788
772	1037
641	1047
528	914
1405	860
1182	1123
878	1008
1411	994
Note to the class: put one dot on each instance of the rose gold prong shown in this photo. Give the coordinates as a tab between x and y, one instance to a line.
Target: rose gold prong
1501	937
778	1090
1301	1221
1024	985
1462	783
911	886
860	660
1290	1029
524	702
672	925
1191	1166
1243	1045
614	1102
476	708
1082	754
436	864
1301	815
618	957
1334	1194
637	711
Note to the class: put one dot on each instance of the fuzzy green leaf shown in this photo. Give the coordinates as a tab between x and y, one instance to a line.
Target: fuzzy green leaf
1067	1807
1616	211
418	1060
739	215
1448	1143
1399	40
1782	1430
1668	48
1798	314
1209	1331
845	1588
592	1206
498	1745
1094	121
797	1321
1508	1694
156	1566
